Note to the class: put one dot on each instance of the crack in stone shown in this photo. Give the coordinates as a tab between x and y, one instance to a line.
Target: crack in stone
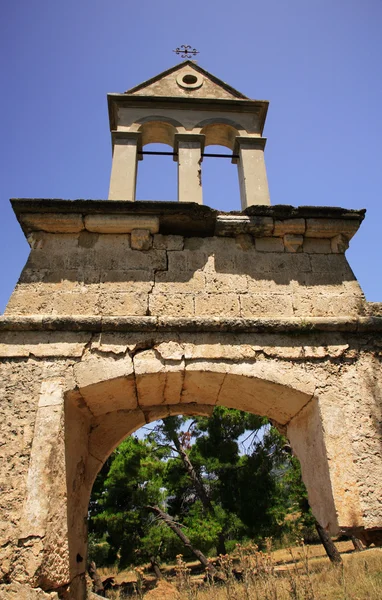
220	389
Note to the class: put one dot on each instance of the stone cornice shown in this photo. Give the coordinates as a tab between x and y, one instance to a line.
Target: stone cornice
187	219
294	325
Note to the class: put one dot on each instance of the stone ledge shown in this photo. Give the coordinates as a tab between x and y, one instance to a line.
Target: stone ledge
100	324
188	219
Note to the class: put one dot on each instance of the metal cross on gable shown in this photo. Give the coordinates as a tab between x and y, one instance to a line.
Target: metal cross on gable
186	51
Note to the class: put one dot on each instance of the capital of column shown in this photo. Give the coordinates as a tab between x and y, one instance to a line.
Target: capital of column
252	143
190	138
127	137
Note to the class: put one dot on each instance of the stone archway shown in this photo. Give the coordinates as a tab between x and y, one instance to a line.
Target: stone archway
84	416
124	313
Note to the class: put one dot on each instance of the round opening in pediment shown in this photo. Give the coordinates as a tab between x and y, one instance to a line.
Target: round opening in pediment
189	81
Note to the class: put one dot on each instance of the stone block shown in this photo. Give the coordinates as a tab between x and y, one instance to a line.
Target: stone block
186	260
108	430
266	305
225	282
231	225
25	303
289	226
327	305
331	282
203	387
157	382
339	244
270	244
138	281
123	304
271	284
152	260
293	243
93	369
121	223
317	246
272	263
217	305
259	396
111	395
331	263
328	228
184	281
170	350
43	344
70	304
172	305
207	347
141	239
116	256
53	222
168	242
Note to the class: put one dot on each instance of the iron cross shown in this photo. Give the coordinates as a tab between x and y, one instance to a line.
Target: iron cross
185	51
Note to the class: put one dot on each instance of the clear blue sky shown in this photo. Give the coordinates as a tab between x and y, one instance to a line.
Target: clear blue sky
318	62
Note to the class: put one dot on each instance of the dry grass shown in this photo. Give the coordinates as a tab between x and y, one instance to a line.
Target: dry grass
315	551
298	574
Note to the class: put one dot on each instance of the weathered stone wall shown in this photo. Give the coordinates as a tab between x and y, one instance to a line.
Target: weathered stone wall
19	387
324	387
137	274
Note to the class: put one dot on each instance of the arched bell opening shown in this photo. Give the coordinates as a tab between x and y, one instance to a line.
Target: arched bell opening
220	179
157	173
219	176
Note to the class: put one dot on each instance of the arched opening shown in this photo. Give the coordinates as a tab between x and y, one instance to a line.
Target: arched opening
157	174
101	414
116	396
219	175
220	180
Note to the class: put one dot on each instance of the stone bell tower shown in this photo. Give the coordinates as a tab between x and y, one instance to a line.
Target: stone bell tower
189	109
127	312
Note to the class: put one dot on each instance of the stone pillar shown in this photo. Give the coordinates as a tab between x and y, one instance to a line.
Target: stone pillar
189	148
123	178
251	168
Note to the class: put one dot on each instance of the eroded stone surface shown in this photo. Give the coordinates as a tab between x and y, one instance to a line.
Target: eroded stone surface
18	591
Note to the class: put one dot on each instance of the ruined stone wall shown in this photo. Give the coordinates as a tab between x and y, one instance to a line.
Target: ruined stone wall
107	274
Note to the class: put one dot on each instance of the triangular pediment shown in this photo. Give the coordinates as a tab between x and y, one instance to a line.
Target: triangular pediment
185	80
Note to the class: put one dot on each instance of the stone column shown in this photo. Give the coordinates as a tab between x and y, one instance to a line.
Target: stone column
189	148
123	178
251	168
